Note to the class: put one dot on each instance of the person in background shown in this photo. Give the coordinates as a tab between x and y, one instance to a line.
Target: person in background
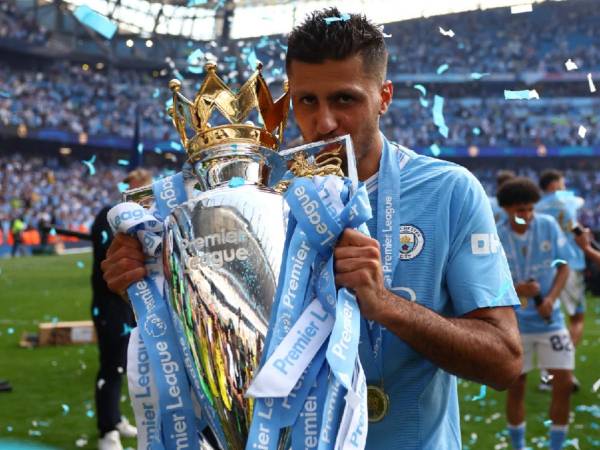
501	177
563	205
17	228
537	250
584	241
113	320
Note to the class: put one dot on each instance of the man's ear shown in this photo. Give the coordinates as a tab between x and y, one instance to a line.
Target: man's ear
387	93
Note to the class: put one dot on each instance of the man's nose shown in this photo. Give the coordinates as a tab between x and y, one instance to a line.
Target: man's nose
326	122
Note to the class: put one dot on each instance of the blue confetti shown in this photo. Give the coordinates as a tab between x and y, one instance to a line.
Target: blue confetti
90	413
558	262
80	264
123	187
420	88
438	115
140	148
236	182
4	94
9	428
176	146
123	162
482	393
521	95
435	150
178	75
343	18
10	330
476	131
35	433
547	423
478	76
196	2
104	236
168	104
65	409
520	221
95	311
90	164
252	60
96	21
126	330
440	70
156	93
52	231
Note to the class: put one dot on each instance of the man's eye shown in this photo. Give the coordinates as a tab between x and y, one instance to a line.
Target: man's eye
345	99
307	100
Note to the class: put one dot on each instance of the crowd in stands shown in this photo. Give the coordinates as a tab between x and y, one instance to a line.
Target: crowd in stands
19	25
68	97
42	191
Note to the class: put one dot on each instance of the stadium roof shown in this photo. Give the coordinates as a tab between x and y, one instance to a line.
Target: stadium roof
196	19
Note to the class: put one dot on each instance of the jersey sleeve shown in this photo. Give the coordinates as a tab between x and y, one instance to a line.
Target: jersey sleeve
562	250
477	274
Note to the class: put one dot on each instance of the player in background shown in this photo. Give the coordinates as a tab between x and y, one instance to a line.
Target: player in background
537	251
563	205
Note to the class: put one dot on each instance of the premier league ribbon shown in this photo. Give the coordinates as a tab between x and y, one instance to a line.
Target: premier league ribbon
308	311
160	331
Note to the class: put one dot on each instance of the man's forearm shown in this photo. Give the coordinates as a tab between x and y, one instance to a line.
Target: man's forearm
475	347
560	279
593	254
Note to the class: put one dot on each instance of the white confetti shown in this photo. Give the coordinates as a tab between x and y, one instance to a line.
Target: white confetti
519	9
119	369
448	33
591	83
101	382
81	442
581	131
596	385
570	65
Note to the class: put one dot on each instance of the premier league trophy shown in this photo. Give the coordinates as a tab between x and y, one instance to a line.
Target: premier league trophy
222	248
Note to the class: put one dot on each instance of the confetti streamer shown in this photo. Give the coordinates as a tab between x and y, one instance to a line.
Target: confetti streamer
591	83
479	76
176	146
343	18
596	385
438	115
448	33
420	88
520	9
481	395
520	221
570	65
582	131
440	70
558	262
123	162
196	2
126	330
104	235
252	60
95	21
90	164
65	409
123	187
521	95
435	150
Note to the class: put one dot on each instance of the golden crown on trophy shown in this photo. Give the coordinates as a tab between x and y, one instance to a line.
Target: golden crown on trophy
235	107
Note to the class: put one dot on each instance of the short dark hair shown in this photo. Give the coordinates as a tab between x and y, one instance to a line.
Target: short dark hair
315	40
518	191
549	176
504	175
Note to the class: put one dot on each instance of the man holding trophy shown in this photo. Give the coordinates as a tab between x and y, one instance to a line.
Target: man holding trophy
432	282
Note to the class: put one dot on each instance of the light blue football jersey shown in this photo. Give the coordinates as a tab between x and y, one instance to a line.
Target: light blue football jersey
563	206
450	261
535	255
497	210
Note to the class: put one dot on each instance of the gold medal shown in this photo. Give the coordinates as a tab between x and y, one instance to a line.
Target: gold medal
378	403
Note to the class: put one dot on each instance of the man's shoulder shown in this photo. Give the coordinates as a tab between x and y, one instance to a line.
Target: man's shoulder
429	169
546	221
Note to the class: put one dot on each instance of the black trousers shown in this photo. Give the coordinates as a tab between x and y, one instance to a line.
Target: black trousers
113	319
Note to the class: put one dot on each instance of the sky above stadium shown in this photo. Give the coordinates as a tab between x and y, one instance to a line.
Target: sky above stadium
197	22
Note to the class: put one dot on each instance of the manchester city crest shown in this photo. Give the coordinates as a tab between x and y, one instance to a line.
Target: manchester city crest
411	242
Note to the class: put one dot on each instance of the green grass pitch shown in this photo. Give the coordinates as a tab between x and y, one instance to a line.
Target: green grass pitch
52	398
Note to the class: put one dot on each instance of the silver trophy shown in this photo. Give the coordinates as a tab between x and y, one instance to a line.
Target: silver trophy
222	249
